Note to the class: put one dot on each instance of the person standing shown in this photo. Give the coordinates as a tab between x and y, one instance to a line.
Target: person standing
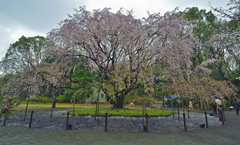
190	105
218	102
236	106
213	105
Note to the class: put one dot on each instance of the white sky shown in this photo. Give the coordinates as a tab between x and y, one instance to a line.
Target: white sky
38	17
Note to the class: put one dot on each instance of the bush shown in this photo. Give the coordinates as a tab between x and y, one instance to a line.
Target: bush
139	100
43	99
60	98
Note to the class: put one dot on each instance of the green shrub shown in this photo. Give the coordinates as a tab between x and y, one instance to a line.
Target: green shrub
60	98
138	100
43	99
38	99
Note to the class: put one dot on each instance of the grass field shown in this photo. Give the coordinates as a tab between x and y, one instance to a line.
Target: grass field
58	105
128	112
90	109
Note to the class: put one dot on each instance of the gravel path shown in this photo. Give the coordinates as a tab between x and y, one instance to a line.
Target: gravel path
226	134
42	120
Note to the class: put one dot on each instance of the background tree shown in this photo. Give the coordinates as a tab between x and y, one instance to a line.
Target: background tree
227	38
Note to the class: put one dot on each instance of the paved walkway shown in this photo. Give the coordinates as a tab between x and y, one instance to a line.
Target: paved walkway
228	134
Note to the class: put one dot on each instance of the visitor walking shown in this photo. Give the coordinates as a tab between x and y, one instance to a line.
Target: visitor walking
213	105
236	106
190	105
218	102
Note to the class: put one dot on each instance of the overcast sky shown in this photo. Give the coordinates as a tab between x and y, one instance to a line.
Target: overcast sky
38	17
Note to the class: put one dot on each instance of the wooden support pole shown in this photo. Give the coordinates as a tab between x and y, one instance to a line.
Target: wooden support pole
26	110
178	109
52	108
143	114
206	119
222	117
185	128
223	114
5	118
178	113
9	105
53	102
147	121
67	121
172	107
73	105
30	123
106	122
96	110
98	107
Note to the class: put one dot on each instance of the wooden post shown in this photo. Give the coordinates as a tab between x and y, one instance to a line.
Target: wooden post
53	102
184	122
143	113
222	117
26	109
9	105
106	122
183	105
187	104
67	121
206	119
98	107
96	110
172	108
30	123
147	121
73	104
178	109
74	100
51	110
223	114
124	101
178	113
5	118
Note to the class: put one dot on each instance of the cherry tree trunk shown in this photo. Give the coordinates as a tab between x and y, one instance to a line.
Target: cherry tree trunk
120	101
54	99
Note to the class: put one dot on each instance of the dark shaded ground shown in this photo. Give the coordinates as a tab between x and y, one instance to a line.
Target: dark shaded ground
226	134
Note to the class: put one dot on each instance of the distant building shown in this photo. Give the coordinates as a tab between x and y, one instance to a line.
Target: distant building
102	96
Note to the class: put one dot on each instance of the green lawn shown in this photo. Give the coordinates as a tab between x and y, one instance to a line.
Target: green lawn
47	105
90	109
129	112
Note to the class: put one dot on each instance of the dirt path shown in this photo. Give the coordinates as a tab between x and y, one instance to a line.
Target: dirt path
221	135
